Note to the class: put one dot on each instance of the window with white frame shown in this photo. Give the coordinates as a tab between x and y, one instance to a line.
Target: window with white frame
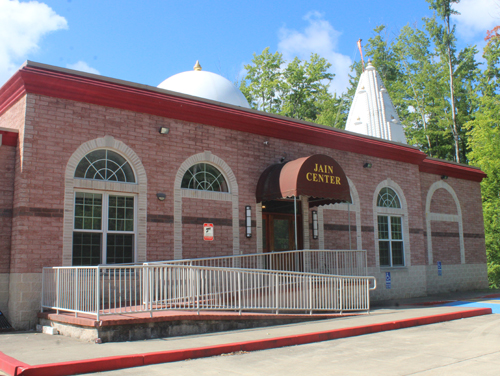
104	229
204	177
390	230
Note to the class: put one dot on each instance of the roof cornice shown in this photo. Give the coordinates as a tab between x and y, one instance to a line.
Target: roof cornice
451	169
64	83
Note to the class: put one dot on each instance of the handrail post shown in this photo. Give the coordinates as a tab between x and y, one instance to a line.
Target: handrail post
43	290
77	306
310	296
57	290
239	291
98	291
145	278
150	289
277	293
341	280
198	283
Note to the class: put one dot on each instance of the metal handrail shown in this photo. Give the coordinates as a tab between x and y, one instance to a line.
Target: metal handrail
334	262
124	289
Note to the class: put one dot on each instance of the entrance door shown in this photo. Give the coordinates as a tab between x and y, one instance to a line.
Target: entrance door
278	223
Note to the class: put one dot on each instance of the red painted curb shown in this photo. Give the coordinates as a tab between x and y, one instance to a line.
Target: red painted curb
10	365
14	367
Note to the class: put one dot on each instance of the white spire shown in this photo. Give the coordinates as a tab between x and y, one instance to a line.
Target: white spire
372	112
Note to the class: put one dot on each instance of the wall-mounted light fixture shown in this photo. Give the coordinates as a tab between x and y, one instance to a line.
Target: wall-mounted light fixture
315	224
164	130
161	196
266	143
444	177
367	165
248	221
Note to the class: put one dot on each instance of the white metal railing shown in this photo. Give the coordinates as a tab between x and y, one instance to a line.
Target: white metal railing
336	262
123	289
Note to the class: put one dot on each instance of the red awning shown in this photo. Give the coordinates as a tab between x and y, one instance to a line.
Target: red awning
318	176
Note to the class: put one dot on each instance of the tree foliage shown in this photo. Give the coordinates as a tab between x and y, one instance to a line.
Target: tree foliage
449	106
484	142
298	89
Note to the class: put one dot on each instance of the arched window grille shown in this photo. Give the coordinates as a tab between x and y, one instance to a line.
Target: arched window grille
204	177
105	164
387	198
104	226
390	230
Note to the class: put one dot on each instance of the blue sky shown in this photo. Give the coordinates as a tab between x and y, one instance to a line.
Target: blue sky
149	41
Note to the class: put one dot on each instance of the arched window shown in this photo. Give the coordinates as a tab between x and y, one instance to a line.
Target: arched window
104	226
204	177
105	164
387	198
390	230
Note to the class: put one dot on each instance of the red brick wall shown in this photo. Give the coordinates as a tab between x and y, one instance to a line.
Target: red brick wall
469	196
55	128
7	168
195	212
13	118
337	229
442	202
445	242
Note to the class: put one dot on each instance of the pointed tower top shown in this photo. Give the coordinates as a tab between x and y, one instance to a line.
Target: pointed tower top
372	112
197	66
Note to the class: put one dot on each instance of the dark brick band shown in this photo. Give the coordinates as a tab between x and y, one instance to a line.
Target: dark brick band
6	213
25	211
160	218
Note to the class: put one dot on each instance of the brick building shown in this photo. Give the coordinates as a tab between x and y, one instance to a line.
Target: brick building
97	170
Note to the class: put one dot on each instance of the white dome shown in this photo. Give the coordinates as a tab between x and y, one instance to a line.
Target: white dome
206	85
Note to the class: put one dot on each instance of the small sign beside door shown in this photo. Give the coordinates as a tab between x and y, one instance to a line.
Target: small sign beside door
388	280
208	232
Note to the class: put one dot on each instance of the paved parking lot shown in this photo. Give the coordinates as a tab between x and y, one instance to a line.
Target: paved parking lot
462	347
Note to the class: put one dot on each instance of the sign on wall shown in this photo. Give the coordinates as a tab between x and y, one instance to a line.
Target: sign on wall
387	280
208	232
440	269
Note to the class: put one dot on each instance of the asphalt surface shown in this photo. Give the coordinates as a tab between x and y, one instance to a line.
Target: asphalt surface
461	347
453	347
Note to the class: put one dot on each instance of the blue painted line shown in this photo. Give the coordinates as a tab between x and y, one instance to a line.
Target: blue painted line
495	308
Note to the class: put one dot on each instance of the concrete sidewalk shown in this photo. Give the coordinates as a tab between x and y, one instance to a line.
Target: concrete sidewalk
40	354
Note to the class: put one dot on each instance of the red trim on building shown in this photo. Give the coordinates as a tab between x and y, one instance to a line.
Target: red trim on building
9	138
450	169
146	99
65	84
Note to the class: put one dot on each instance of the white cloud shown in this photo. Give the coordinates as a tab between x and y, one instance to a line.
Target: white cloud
476	17
83	66
22	25
318	37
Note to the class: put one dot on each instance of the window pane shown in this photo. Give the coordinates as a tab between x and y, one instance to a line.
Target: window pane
204	177
105	165
120	248
384	253
281	234
387	198
383	227
88	211
396	228
86	248
397	254
121	213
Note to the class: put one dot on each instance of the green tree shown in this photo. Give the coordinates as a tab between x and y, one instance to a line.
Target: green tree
444	40
306	87
415	71
297	89
484	141
263	83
